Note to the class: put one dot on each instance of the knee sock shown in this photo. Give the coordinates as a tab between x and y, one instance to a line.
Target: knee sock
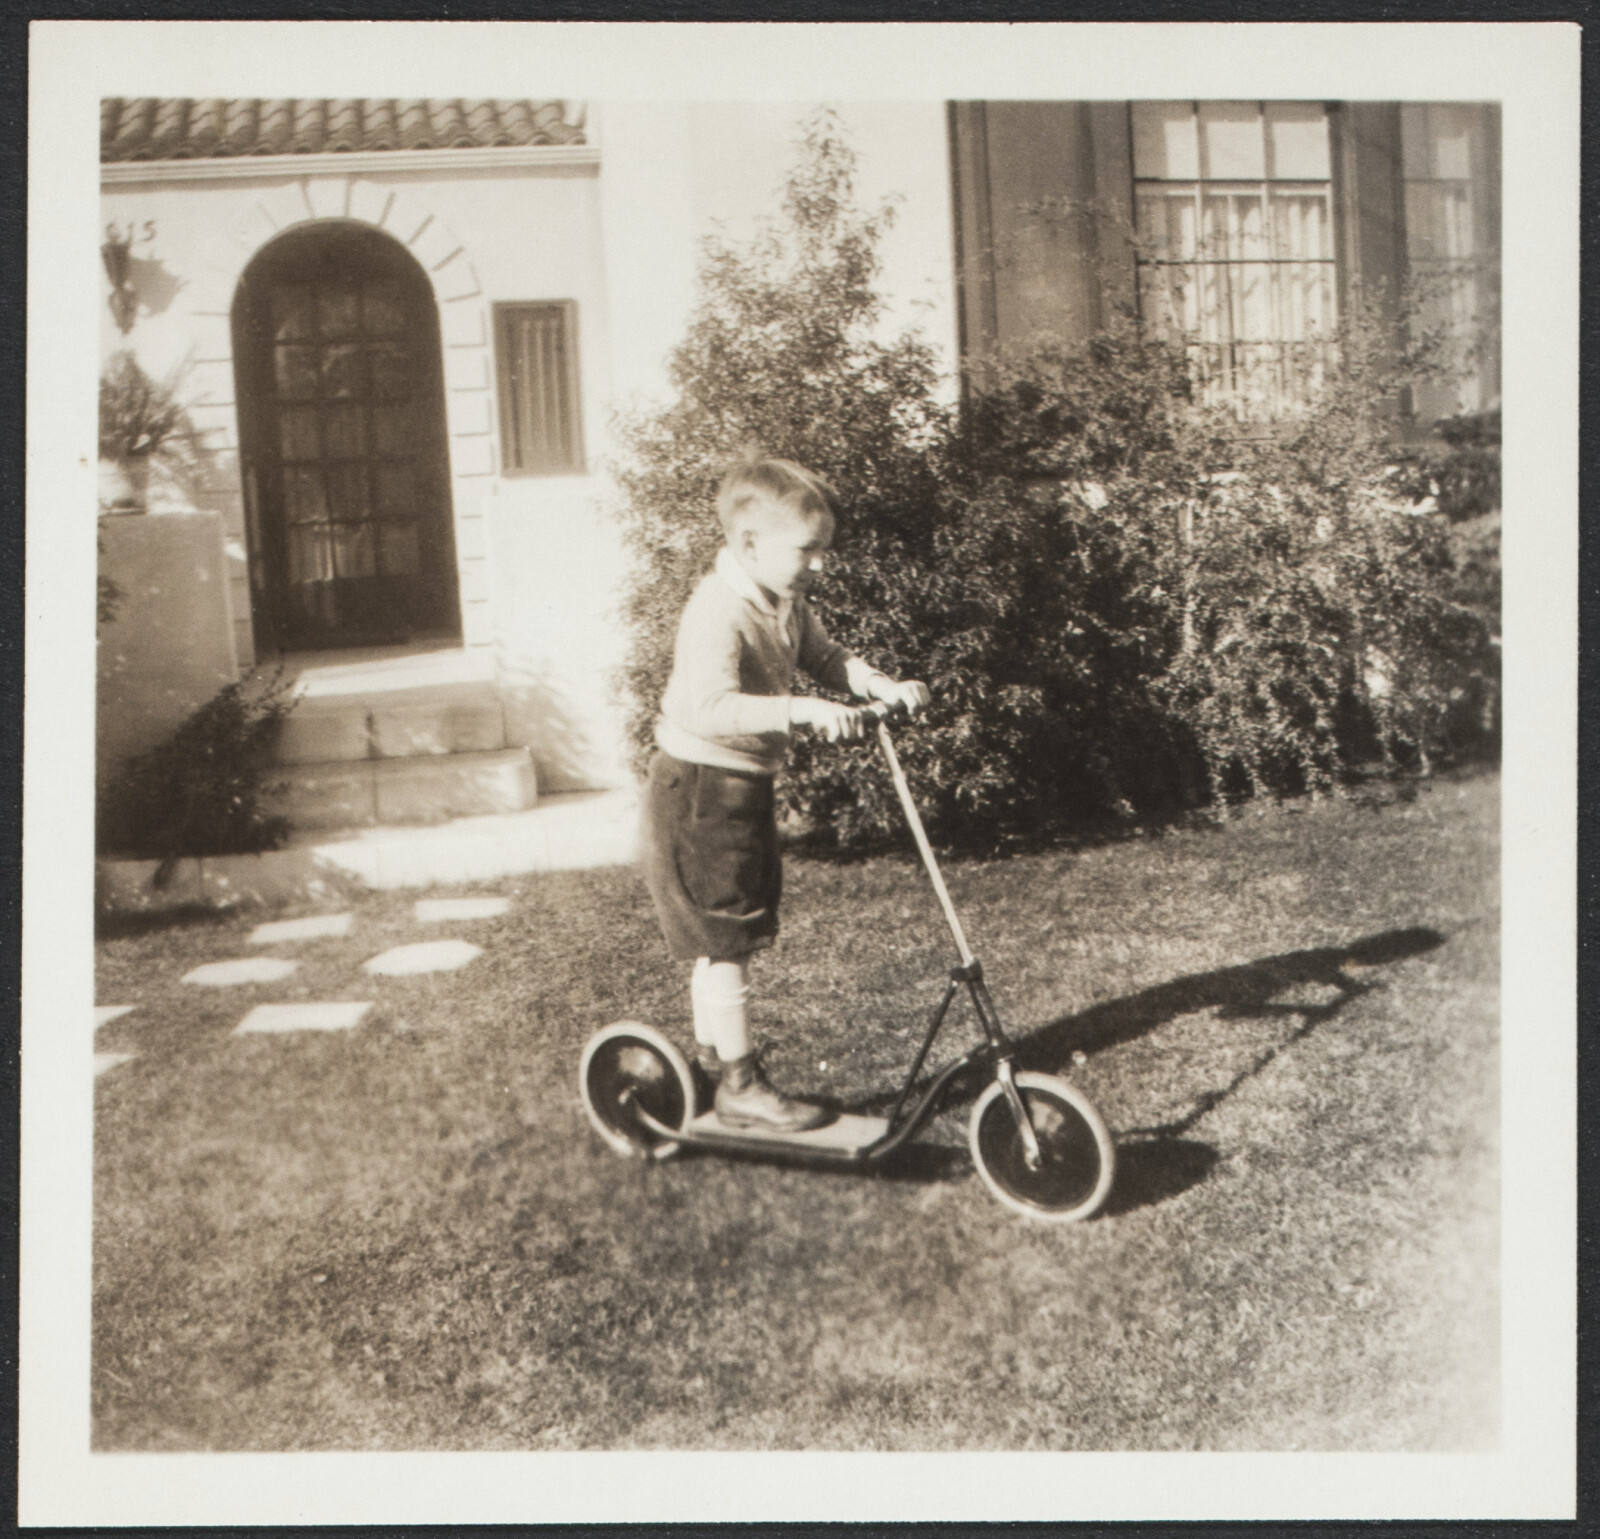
720	992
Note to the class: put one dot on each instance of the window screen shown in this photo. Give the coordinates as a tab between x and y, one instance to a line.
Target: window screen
537	359
1235	221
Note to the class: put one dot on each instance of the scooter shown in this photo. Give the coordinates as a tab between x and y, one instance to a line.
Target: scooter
1038	1143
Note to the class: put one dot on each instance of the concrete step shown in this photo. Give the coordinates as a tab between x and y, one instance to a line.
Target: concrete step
425	788
393	724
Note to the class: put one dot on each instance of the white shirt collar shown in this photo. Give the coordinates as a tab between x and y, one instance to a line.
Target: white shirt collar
742	583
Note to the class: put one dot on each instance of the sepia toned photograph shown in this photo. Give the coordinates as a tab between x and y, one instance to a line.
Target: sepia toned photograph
794	773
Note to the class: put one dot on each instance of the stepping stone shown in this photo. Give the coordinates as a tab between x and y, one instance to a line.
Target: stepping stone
319	1015
435	910
241	970
106	1013
104	1061
424	957
313	927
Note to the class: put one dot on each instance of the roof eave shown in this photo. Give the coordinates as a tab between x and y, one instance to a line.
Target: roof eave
532	157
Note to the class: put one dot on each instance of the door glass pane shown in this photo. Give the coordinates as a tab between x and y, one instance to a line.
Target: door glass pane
383	309
346	438
353	550
398	551
338	312
347	489
394	489
392	375
295	369
292	312
341	369
396	429
298	431
310	553
304	501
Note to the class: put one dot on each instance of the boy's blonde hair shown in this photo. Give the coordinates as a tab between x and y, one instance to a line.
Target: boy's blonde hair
752	483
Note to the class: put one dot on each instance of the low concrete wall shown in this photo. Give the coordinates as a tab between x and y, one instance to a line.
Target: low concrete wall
171	646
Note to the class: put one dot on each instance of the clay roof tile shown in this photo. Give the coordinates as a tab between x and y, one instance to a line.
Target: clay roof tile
177	128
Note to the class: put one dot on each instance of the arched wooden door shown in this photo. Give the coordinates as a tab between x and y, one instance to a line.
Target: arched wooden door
342	440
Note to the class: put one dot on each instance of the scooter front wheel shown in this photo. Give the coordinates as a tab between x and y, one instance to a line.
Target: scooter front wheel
1078	1158
628	1067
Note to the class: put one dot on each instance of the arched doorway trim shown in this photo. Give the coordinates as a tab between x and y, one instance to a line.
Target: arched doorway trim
464	333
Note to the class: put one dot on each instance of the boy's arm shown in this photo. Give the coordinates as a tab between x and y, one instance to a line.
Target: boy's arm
829	663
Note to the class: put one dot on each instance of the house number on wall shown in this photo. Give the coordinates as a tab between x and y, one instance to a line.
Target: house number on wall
115	255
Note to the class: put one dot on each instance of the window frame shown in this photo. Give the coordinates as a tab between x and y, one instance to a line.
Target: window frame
502	313
1150	291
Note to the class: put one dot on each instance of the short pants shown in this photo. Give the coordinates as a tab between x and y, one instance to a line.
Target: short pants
710	857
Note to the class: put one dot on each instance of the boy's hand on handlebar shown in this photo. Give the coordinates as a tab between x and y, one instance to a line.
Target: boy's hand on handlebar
832	721
911	695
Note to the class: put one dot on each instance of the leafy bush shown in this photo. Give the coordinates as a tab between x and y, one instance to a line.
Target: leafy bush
1123	609
200	791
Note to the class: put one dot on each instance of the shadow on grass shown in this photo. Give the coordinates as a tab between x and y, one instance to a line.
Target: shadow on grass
1158	1162
1251	989
1150	1170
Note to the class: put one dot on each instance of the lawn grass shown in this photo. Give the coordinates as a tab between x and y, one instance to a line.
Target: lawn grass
405	1236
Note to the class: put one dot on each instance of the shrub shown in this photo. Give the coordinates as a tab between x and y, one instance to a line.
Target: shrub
200	791
1123	608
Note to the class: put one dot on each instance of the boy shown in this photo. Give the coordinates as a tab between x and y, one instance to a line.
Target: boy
711	839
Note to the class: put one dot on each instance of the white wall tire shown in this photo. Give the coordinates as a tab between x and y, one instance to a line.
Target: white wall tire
628	1063
1080	1158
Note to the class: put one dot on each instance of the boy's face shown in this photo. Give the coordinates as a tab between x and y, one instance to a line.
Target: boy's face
783	549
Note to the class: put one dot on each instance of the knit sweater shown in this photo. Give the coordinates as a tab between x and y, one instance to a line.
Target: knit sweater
728	700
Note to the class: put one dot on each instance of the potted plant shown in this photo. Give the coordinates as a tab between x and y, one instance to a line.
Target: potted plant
141	419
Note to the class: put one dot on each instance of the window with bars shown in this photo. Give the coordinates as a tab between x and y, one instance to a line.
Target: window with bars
1234	214
537	362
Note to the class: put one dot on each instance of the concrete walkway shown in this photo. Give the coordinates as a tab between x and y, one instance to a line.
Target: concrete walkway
566	831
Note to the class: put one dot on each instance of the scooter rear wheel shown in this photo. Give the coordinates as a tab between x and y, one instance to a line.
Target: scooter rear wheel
1079	1161
628	1066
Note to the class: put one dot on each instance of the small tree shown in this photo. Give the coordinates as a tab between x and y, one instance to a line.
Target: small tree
780	353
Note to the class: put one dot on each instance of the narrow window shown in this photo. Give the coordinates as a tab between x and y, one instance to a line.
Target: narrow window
1452	244
536	357
1235	222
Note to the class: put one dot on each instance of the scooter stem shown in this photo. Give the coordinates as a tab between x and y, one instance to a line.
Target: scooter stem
898	775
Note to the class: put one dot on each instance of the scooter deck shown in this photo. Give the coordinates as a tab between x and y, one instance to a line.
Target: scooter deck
845	1135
